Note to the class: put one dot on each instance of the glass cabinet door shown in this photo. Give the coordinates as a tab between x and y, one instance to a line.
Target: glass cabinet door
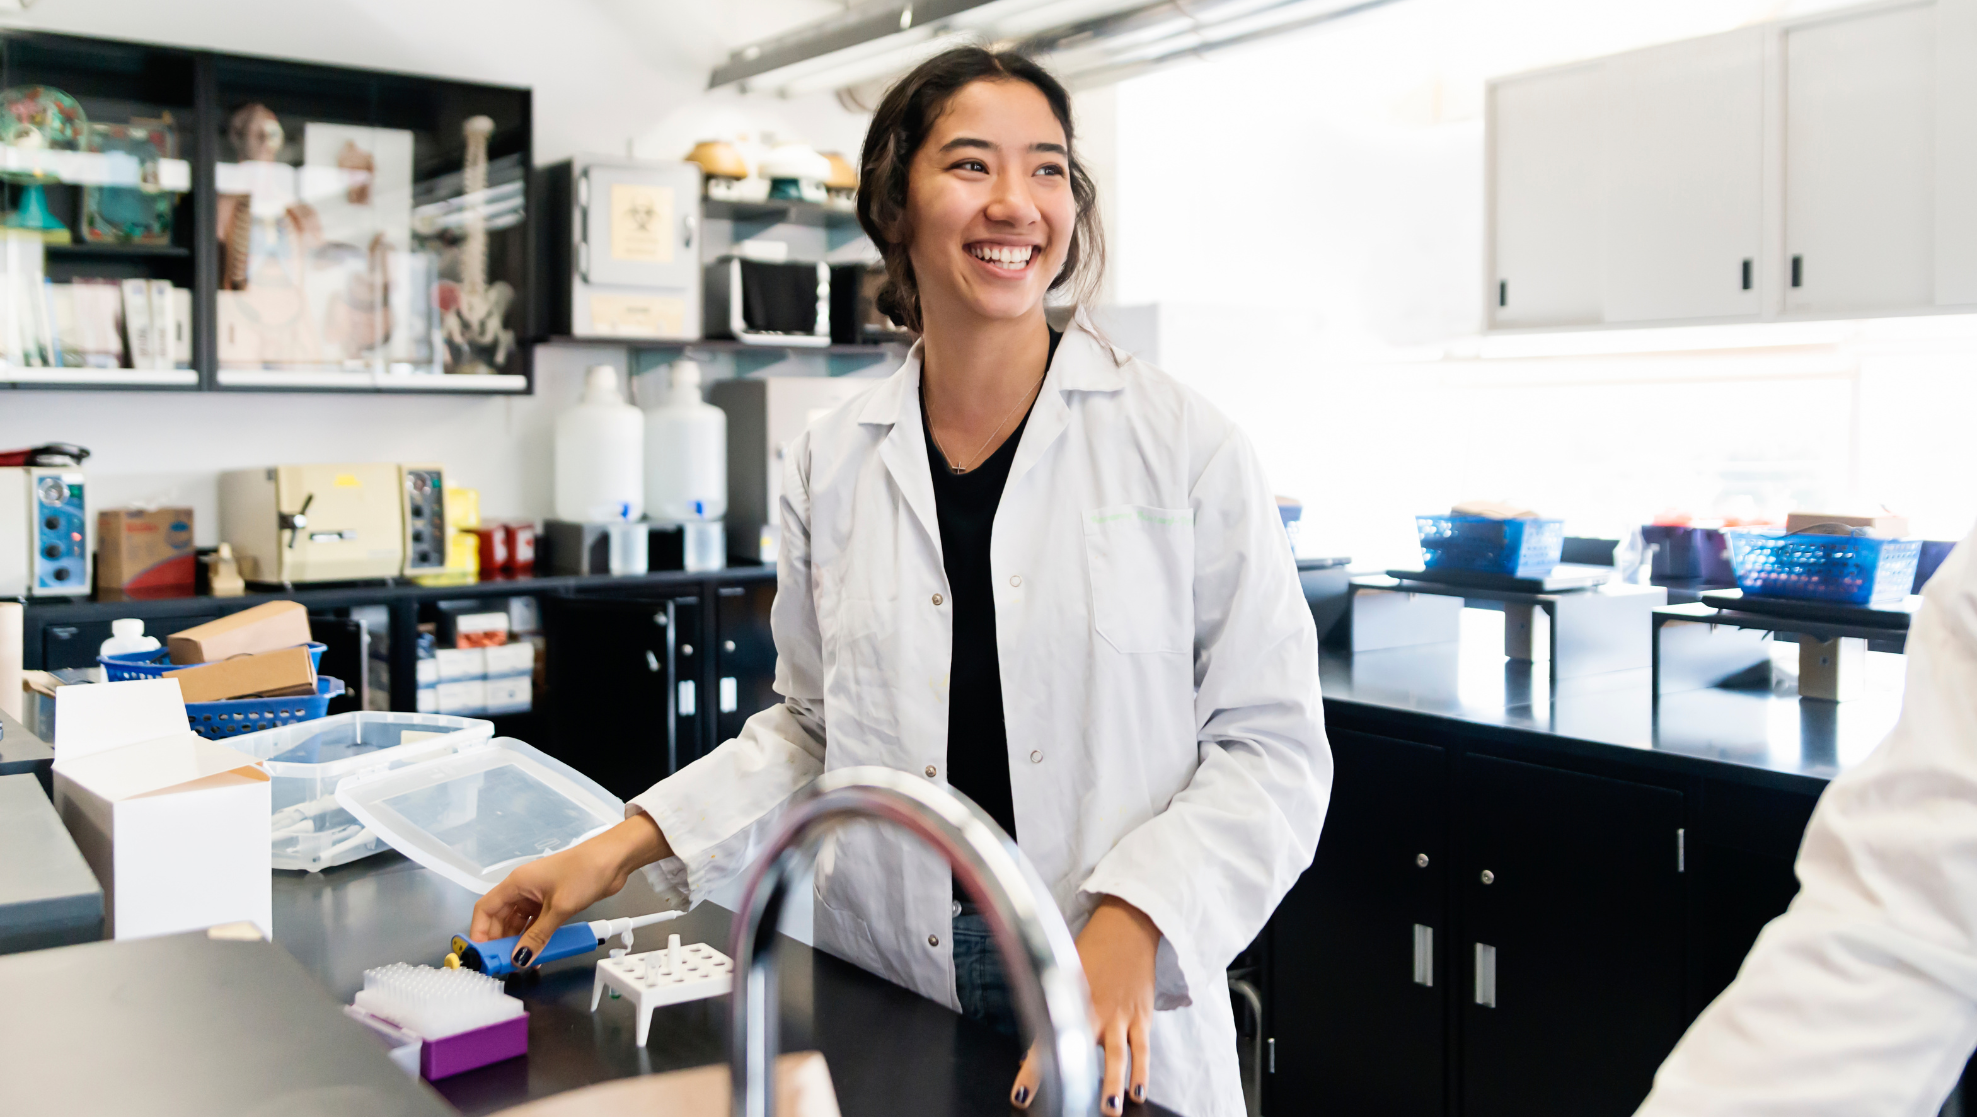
368	225
96	255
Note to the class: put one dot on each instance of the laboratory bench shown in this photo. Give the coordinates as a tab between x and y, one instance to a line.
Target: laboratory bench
890	1051
204	1026
1526	889
671	663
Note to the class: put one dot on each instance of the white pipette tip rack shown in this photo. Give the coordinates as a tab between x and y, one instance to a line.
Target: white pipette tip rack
663	977
447	1020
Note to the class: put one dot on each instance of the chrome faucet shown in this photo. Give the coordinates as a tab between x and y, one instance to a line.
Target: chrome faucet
1038	952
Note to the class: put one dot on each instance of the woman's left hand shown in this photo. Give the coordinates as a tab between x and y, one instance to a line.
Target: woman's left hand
1117	948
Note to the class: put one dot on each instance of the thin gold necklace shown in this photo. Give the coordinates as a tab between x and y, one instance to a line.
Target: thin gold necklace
938	445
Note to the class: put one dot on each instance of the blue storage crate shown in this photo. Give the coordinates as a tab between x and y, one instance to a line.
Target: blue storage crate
236	716
1844	569
1516	548
153	664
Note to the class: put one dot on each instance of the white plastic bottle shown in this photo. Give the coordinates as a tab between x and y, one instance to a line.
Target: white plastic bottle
686	453
127	636
600	454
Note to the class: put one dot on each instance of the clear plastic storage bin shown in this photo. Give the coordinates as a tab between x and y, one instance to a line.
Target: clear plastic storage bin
474	815
307	760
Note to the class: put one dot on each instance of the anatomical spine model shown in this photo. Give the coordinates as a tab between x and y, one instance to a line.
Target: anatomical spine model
477	340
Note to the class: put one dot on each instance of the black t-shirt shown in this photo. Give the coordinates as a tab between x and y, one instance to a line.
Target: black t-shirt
977	742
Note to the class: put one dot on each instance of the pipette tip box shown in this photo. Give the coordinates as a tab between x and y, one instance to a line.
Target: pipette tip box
480	1023
441	1058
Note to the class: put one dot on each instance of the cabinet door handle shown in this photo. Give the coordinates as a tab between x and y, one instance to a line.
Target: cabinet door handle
1746	273
1486	975
1798	271
1424	955
730	696
1503	292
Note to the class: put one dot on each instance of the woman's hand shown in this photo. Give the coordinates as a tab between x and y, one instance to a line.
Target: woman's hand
1117	948
544	893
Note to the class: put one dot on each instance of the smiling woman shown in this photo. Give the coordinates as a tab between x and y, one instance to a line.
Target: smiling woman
1025	513
897	143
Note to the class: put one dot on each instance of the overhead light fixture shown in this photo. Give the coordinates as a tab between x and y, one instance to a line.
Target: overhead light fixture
1086	42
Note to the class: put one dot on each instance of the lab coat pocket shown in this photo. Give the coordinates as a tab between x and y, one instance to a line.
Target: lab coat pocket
1142	577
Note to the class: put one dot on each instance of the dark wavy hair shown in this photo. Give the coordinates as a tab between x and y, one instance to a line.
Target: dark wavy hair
900	126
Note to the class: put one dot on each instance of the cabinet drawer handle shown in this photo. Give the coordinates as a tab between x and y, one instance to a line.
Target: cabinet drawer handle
1424	955
1486	975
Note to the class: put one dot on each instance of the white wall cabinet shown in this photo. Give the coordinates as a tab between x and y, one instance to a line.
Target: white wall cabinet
1682	183
1812	168
1545	182
1859	155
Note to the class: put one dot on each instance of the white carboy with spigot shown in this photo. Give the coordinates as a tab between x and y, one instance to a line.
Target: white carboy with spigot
600	454
686	468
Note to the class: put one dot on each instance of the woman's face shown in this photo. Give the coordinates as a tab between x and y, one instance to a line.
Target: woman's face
988	203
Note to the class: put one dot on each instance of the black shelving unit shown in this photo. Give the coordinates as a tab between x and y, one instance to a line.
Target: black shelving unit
198	92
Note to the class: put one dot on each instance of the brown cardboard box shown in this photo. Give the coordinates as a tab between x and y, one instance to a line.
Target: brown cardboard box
268	674
142	554
1882	525
277	624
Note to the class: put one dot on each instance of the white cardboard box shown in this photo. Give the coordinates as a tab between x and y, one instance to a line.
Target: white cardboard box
511	695
174	825
461	663
467	696
510	659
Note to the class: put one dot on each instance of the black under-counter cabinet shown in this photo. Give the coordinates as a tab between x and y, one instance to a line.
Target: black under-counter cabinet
1503	919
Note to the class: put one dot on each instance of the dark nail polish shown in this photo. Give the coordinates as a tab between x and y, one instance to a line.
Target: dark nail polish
1112	1103
522	956
1022	1095
1139	1092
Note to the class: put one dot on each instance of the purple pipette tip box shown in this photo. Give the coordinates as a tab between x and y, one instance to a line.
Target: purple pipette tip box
455	1054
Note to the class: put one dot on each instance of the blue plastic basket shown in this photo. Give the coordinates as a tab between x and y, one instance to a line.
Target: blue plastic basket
1871	573
152	665
1518	548
219	720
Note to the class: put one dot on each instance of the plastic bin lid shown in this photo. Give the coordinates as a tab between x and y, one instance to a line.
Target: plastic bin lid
348	743
474	815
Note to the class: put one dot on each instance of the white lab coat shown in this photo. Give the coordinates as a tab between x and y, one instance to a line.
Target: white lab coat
1159	679
1862	998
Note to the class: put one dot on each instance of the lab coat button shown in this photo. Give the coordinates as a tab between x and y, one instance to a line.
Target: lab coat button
1036	756
1015	579
933	940
937	599
930	771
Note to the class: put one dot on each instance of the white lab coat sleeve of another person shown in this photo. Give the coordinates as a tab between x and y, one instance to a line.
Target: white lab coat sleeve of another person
717	810
1862	998
1211	867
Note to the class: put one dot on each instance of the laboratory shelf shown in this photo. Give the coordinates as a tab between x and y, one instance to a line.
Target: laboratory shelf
99	377
194	93
340	380
779	213
88	250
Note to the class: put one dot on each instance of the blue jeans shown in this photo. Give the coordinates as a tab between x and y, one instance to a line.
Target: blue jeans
979	982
